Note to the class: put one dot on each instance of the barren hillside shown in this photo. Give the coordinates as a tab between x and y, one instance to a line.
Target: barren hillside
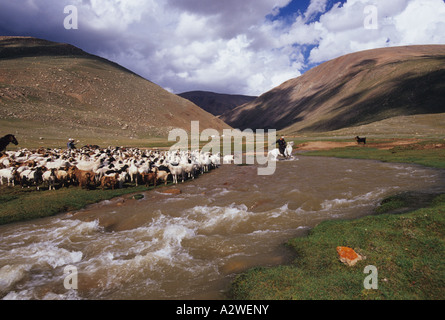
352	90
54	91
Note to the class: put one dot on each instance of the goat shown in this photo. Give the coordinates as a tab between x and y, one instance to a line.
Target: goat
360	140
150	177
109	181
83	178
163	175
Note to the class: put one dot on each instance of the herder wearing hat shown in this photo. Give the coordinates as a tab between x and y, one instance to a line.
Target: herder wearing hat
71	145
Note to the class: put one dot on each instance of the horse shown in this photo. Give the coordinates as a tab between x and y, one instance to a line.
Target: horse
288	151
9	138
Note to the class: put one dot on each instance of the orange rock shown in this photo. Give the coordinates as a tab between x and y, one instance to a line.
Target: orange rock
348	256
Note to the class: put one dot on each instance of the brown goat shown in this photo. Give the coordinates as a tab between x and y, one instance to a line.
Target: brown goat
84	178
150	177
109	181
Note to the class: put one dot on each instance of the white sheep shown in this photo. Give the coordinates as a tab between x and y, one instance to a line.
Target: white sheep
176	171
49	177
7	174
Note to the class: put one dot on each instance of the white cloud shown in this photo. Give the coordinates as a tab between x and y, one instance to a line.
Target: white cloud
225	46
401	22
315	7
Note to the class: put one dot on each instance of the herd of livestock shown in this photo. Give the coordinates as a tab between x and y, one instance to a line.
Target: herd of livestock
93	167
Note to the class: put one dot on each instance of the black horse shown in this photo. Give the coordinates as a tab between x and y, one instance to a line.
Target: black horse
9	138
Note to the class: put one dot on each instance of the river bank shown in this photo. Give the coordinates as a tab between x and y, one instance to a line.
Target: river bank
406	249
404	240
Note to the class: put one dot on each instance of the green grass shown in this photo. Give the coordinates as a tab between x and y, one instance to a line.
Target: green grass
407	250
17	204
416	154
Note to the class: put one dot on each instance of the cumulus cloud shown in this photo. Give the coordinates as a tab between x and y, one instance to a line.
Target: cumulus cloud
400	22
229	46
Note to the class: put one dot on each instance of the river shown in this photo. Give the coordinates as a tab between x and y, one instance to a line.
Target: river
191	245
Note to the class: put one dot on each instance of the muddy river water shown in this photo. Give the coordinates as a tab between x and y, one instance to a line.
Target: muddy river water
191	245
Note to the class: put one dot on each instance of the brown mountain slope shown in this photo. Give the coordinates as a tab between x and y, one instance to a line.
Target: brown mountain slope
57	91
216	103
352	90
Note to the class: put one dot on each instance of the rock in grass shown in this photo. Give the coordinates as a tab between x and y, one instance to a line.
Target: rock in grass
348	256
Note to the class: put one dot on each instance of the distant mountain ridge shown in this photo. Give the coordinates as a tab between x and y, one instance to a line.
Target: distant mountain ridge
216	103
56	89
352	90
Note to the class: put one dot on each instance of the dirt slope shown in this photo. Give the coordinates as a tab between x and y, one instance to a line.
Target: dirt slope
55	89
352	90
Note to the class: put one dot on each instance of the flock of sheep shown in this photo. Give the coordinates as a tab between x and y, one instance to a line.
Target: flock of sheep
91	167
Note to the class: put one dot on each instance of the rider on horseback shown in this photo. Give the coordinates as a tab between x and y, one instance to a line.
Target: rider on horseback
281	145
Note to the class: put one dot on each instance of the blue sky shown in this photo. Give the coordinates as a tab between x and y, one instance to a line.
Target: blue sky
231	46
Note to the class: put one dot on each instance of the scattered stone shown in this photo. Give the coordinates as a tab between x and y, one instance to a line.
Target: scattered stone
138	196
348	256
172	191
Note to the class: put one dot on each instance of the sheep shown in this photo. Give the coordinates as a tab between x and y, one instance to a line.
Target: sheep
62	177
133	172
31	176
49	177
7	174
123	176
176	171
52	166
227	159
189	170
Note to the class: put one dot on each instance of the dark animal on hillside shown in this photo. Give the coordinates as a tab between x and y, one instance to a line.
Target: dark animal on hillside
360	140
9	138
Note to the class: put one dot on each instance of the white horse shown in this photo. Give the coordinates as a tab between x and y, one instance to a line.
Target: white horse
288	150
